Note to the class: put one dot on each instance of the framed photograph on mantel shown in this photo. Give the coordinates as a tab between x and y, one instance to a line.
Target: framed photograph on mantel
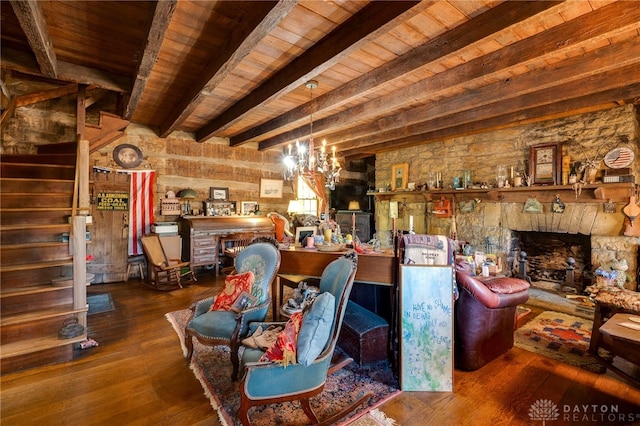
399	176
219	194
545	164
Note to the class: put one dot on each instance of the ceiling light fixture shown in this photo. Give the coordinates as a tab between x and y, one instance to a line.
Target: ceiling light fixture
304	161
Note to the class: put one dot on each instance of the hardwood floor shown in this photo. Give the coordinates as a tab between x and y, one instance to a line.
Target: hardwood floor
137	376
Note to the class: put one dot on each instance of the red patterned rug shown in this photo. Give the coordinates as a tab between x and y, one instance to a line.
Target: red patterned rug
561	337
212	368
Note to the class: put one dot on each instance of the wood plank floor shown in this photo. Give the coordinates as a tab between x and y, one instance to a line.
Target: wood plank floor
138	376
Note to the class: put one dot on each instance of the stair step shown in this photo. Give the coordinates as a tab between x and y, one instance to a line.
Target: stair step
19	254
41	314
16	234
35	185
35	199
28	346
34	216
37	265
37	171
48	160
34	289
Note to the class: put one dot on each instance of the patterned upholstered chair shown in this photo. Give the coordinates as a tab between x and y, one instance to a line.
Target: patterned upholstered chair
223	327
270	382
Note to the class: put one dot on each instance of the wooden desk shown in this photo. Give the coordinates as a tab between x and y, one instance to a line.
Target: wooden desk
619	341
373	268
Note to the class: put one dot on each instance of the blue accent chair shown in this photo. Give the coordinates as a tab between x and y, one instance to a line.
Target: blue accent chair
215	328
269	382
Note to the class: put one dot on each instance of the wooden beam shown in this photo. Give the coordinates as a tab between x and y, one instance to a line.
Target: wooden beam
23	62
81	113
585	95
33	24
45	95
239	45
7	114
592	65
472	31
373	20
605	22
159	24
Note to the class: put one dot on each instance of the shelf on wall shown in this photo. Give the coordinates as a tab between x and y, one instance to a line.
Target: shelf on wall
605	192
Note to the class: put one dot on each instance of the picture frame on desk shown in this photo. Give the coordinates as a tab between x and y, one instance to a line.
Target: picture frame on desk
545	164
302	232
248	207
219	194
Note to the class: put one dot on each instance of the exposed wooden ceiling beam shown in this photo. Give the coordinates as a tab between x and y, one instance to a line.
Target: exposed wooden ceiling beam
605	22
67	72
45	95
484	25
580	94
371	21
591	64
159	24
240	44
33	24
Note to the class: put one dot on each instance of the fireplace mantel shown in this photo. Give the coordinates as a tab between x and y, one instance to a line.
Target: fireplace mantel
606	192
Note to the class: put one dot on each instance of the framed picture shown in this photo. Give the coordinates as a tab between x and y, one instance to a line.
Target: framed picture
399	176
248	207
127	156
302	232
545	164
244	301
270	188
426	322
219	194
221	209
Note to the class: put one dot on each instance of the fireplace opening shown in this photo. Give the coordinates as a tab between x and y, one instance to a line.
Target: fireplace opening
549	263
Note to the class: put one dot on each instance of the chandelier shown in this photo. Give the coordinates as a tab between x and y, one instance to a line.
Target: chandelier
309	163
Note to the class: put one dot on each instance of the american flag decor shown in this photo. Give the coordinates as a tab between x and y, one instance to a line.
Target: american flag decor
619	157
141	214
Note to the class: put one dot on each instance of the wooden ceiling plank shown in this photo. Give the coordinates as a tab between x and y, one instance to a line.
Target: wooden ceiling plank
490	22
159	25
239	46
33	24
466	126
370	22
613	18
618	83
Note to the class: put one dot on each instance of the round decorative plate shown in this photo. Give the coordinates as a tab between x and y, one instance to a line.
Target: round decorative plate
618	158
127	156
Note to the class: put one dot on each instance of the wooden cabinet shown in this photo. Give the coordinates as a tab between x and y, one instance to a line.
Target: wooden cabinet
344	218
201	235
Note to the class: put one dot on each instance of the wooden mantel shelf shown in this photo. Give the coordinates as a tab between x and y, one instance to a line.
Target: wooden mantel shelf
606	192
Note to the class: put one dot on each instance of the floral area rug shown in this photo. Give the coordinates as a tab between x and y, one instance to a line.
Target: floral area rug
561	337
212	367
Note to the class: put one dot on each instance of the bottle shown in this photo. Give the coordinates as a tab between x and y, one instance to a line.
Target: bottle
485	269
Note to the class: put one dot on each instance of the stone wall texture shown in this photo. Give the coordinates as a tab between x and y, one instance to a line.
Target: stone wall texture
583	137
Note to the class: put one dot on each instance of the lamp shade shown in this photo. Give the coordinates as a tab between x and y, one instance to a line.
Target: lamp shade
294	206
354	205
188	193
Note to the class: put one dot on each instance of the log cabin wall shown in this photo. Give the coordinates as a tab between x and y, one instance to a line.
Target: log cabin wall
496	219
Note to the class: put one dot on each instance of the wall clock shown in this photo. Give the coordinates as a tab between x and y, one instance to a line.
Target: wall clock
127	156
618	158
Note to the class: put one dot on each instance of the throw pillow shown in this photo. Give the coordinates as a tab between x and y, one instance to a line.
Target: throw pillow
284	349
315	328
234	286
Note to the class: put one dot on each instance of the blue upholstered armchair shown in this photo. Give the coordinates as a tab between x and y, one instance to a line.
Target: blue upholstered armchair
269	382
228	327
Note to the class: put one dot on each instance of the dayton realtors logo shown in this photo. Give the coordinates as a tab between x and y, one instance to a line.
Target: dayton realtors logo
546	410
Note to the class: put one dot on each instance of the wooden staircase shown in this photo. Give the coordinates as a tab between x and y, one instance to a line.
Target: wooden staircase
35	206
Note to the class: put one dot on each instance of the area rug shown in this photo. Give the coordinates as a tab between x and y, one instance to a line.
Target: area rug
559	336
99	303
212	367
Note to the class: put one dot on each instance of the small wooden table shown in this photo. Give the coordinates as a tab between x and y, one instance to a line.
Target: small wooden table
620	340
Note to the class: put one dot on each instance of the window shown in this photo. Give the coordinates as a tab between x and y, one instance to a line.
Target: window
307	198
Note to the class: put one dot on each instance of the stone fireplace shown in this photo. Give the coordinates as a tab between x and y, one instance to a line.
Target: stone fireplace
583	231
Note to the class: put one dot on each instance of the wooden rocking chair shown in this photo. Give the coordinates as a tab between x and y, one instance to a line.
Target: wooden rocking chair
165	274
